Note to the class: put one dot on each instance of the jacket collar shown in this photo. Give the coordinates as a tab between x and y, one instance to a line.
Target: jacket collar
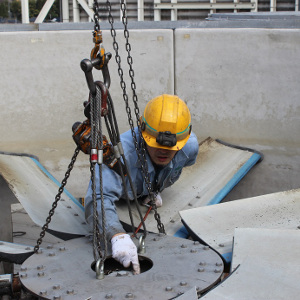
180	156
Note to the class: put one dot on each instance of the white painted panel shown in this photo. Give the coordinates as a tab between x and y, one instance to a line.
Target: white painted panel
268	262
25	231
268	246
215	224
36	192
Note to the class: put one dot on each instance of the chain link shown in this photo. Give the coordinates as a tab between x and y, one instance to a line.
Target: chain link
96	9
57	198
140	150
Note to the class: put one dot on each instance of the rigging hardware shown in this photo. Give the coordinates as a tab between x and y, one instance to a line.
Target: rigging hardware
88	135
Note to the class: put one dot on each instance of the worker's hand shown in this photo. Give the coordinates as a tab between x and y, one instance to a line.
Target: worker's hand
125	252
157	198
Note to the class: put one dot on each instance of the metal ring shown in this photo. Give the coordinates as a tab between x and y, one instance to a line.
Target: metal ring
142	247
99	268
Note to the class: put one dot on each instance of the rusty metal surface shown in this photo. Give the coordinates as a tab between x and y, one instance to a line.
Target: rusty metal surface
170	267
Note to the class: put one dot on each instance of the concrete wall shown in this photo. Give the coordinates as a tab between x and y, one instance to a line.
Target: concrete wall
240	84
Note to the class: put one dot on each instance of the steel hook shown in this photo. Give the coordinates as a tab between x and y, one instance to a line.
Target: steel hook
99	268
142	246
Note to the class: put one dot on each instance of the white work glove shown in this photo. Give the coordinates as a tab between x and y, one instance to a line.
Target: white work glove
125	252
157	198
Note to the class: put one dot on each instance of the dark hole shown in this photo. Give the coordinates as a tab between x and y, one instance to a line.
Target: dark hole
111	265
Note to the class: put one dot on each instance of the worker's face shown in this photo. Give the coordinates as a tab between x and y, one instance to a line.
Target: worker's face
159	156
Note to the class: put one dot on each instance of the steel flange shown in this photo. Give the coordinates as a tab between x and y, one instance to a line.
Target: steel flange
170	267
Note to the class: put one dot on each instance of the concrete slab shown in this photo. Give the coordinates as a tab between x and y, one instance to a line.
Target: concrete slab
267	268
239	92
52	99
215	225
235	86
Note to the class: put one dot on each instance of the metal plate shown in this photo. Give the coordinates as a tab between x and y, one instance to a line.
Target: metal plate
217	170
15	253
64	271
215	224
268	266
36	189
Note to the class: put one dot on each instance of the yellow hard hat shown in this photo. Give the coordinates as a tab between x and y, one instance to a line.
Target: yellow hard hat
166	123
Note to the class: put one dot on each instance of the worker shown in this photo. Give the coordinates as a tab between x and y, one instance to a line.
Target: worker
170	145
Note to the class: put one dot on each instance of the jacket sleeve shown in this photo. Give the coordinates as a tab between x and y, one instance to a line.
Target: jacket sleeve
112	191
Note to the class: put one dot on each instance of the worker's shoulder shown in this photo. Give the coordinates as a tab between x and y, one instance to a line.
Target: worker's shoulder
192	146
193	141
128	142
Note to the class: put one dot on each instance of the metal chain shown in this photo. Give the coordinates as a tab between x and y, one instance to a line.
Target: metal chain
57	198
96	9
140	150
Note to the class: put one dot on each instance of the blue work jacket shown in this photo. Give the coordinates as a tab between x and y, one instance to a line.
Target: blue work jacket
113	188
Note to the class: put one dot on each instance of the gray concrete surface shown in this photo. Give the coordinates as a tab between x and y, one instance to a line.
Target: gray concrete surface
241	85
6	199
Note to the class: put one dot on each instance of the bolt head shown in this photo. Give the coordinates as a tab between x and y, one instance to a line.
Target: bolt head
129	296
43	293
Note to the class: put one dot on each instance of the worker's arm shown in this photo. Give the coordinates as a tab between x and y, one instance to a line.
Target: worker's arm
112	191
123	248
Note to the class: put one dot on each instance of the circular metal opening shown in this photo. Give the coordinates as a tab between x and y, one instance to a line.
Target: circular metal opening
112	266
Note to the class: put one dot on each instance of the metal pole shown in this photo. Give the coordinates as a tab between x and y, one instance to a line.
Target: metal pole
76	16
25	11
157	15
174	12
140	11
65	11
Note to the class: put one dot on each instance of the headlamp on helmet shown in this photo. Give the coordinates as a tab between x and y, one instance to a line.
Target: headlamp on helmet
166	123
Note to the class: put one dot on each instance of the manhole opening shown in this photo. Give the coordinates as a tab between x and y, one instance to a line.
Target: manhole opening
111	265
